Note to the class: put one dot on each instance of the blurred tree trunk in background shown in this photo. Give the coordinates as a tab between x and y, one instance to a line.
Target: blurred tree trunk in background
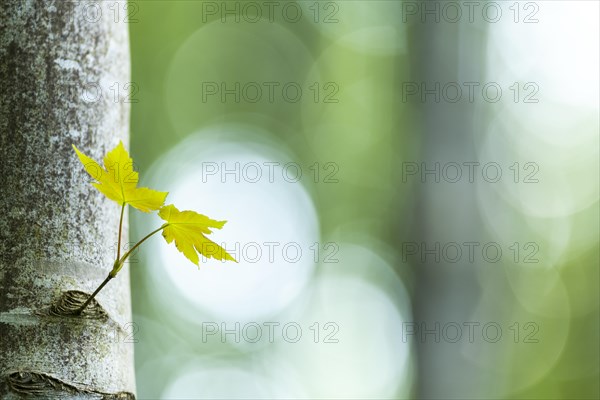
447	212
58	61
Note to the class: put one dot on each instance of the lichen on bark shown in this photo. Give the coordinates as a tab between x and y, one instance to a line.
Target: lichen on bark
57	234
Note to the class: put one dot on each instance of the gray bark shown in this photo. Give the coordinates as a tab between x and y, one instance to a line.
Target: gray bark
57	232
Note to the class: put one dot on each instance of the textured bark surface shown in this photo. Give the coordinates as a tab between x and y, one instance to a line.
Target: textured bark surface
57	233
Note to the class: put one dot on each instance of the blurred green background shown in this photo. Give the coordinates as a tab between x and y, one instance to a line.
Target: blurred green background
224	91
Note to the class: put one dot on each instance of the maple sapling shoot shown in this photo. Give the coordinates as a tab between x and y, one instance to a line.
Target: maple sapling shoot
186	228
117	265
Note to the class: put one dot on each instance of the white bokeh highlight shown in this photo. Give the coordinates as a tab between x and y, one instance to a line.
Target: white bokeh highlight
269	222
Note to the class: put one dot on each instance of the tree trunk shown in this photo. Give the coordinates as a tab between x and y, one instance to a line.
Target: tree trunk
57	233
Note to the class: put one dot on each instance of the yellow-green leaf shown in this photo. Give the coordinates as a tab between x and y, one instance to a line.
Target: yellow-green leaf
188	230
118	181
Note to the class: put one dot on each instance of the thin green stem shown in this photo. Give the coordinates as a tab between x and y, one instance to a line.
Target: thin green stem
140	242
89	300
120	231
